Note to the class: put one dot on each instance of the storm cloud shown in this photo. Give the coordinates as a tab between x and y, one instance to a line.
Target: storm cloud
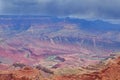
105	9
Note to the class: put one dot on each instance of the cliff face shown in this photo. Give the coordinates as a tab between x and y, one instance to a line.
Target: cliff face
22	74
110	72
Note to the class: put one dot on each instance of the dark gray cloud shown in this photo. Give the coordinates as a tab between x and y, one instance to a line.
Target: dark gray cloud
104	9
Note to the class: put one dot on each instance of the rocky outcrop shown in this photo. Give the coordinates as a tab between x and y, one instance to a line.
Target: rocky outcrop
60	58
44	69
6	76
111	72
26	73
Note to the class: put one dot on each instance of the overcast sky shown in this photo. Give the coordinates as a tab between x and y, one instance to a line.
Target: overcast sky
93	9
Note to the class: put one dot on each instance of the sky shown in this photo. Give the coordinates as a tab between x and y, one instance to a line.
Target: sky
89	9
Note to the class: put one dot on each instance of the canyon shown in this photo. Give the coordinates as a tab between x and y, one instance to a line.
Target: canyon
58	48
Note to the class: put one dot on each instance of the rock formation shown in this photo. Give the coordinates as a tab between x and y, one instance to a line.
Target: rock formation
27	73
111	72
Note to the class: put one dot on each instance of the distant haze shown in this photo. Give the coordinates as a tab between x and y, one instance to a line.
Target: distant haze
89	9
